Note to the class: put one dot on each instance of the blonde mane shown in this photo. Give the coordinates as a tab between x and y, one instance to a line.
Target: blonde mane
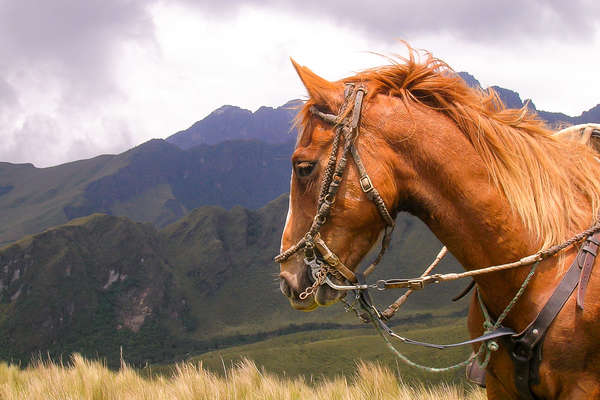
553	184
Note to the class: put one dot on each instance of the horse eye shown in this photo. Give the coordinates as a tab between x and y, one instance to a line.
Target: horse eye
304	168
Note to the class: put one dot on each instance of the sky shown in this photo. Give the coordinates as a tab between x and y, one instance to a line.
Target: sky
84	78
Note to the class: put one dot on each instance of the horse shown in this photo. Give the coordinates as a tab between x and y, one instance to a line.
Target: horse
493	184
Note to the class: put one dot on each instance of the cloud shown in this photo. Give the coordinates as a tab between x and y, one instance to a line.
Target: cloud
78	78
8	95
58	62
479	21
70	40
41	139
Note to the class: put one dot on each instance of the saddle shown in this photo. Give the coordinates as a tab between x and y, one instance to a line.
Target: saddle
587	134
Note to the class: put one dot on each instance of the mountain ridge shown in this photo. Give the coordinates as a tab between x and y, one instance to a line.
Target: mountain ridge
229	122
154	182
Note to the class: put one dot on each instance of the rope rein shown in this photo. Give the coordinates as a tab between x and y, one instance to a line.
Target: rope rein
425	279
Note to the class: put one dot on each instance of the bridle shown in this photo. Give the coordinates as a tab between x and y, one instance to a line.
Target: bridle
326	262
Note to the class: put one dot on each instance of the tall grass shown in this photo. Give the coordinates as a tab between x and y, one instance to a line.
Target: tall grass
84	379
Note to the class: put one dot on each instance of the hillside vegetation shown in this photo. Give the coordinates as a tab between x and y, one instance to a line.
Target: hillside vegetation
330	353
154	182
204	282
85	380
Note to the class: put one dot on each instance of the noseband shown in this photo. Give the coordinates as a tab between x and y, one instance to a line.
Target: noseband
325	261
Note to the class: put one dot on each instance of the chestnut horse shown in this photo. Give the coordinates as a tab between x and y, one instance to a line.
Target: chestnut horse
493	184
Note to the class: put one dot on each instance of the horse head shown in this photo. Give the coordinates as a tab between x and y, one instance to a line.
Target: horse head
354	222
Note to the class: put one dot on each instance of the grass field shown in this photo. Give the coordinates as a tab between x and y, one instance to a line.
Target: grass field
83	379
331	353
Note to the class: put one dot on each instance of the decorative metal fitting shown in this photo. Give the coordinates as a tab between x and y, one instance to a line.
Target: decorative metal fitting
366	184
416	284
492	345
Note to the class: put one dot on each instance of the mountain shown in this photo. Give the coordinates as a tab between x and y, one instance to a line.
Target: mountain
470	80
94	283
272	125
207	280
556	120
155	182
162	180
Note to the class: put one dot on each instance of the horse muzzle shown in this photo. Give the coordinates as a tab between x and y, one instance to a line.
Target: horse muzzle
292	285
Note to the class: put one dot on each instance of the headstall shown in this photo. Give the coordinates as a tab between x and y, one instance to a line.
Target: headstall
323	261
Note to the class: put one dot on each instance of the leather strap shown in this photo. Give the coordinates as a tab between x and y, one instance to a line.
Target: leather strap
523	346
465	291
330	258
585	259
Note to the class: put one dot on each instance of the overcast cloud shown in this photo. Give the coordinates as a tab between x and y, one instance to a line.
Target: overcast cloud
82	78
58	71
477	21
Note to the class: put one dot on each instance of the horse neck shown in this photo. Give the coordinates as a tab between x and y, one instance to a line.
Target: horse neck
453	194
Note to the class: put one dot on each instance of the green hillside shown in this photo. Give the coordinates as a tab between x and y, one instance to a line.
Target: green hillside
155	182
224	264
205	281
331	353
32	199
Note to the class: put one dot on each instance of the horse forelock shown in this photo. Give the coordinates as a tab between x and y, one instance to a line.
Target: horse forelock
551	183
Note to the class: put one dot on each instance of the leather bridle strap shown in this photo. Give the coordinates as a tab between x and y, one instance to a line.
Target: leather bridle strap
332	178
368	188
330	258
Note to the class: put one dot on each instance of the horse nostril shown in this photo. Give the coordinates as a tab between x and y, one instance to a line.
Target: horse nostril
285	288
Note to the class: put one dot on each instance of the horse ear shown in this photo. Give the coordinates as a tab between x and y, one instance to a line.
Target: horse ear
330	94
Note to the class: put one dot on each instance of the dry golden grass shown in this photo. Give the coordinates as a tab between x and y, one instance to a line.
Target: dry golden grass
83	379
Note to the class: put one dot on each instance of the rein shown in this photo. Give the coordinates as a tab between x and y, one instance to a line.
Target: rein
323	263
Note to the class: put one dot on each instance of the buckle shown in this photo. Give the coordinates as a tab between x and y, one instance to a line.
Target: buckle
366	184
415	284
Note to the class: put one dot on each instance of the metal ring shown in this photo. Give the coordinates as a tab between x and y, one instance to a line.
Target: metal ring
329	198
380	284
